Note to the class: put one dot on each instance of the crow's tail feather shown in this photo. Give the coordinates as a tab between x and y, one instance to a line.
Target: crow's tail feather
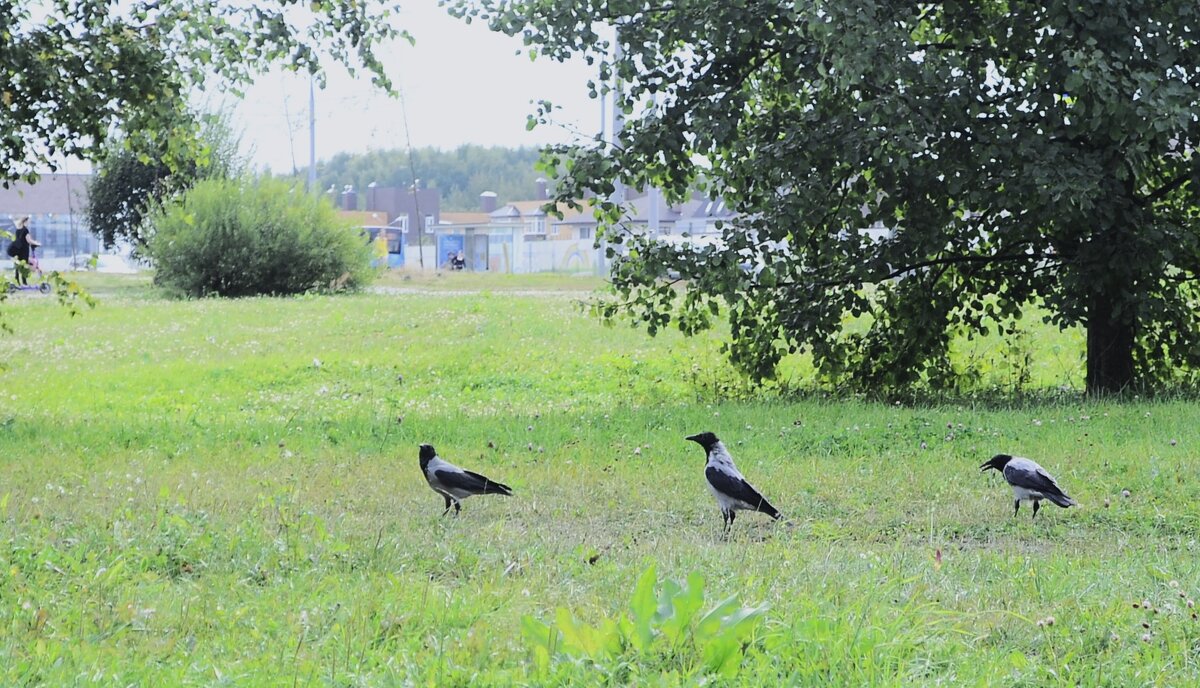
481	484
1061	500
765	507
490	487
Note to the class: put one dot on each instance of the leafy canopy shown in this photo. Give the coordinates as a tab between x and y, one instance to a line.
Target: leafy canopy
72	70
126	183
1010	153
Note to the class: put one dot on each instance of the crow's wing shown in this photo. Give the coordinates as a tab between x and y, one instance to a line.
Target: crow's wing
737	488
470	482
1032	478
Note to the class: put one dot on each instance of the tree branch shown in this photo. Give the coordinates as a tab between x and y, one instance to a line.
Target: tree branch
935	262
1163	190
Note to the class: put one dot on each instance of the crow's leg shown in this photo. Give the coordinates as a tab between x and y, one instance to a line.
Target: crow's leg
457	507
725	520
1016	507
447	498
1036	503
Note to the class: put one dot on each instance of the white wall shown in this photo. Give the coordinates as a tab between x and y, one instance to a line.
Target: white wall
512	253
567	255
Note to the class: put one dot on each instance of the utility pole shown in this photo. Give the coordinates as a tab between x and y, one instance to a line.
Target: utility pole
412	168
312	137
614	140
618	115
603	117
653	195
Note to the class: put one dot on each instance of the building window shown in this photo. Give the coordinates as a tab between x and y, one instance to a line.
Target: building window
585	232
394	240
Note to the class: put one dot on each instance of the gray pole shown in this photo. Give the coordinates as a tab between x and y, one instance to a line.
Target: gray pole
652	221
618	115
312	137
618	123
603	117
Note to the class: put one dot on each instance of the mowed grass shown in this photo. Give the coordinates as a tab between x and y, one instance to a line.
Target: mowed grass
227	493
451	280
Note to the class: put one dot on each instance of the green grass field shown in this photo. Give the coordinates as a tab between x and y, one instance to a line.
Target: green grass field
227	493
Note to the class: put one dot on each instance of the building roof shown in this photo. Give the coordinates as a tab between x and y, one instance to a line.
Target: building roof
702	208
585	216
464	218
524	209
366	218
708	207
53	194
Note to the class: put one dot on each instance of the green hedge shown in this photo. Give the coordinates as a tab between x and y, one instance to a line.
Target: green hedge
240	237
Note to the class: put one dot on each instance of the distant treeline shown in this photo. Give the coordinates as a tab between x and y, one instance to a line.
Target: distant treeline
460	174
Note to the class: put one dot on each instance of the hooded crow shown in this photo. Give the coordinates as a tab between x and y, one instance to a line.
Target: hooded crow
1029	481
453	483
727	483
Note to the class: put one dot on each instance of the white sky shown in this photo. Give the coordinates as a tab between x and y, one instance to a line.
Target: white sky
461	84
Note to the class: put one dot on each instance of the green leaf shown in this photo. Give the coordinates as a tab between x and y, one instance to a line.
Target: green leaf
575	635
710	624
542	640
723	656
537	633
642	607
684	605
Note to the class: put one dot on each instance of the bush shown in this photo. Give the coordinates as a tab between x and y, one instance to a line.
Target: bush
240	238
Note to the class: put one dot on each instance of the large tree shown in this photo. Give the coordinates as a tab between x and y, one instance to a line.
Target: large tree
135	175
1019	153
73	70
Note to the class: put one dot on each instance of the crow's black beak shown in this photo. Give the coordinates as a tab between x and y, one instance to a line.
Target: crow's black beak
692	438
985	466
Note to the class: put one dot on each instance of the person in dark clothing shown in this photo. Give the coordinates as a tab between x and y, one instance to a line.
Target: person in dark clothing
20	250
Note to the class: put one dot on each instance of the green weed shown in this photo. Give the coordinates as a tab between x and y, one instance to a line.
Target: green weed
664	630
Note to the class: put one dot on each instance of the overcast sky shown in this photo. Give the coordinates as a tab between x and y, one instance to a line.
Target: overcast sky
461	84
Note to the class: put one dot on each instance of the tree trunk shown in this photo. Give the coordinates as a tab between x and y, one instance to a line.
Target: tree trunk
1109	347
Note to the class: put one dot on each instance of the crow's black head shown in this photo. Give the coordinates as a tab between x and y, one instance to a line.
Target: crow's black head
427	454
997	462
704	439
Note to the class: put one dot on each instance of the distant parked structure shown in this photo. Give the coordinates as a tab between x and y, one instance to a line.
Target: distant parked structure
696	217
515	237
57	208
388	242
520	237
412	213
